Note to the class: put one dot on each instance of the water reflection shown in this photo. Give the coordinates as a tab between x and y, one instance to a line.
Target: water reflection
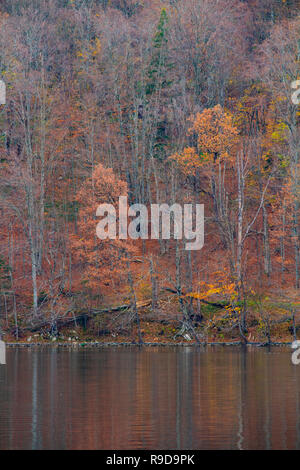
159	398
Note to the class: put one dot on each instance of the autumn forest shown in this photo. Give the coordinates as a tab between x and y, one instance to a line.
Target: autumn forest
174	101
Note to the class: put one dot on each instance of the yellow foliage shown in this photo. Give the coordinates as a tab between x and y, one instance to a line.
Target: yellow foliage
216	139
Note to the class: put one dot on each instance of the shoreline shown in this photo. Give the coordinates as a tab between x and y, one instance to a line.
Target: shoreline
128	344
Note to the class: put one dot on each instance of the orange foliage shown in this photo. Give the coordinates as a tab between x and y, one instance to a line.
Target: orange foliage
101	262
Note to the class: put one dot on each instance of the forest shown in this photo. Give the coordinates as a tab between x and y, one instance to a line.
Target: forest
164	102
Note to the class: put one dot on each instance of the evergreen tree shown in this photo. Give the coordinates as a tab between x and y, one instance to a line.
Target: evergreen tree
158	73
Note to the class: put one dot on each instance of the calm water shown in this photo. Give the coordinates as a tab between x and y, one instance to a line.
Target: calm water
154	398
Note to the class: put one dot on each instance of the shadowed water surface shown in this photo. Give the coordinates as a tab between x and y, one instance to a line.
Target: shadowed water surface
150	398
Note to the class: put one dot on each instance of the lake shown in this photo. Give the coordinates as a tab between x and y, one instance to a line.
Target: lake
150	398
